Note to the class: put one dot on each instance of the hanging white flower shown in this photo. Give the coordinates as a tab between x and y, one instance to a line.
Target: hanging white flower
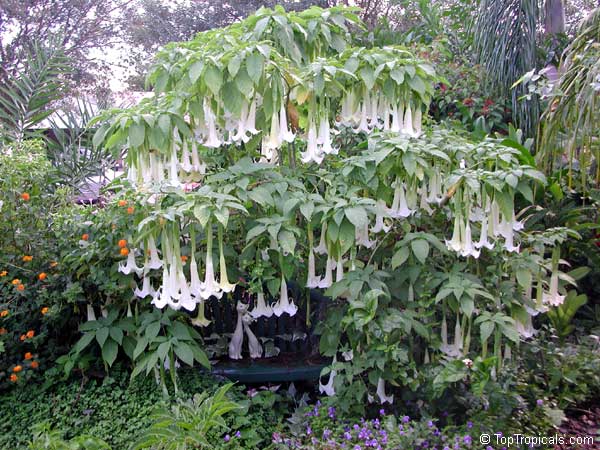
456	242
552	297
383	398
397	112
321	249
211	287
327	280
197	165
407	127
380	215
483	236
155	261
361	236
200	320
312	280
399	207
212	139
312	153
328	389
467	248
186	165
417	122
285	133
130	266
261	309
146	290
284	304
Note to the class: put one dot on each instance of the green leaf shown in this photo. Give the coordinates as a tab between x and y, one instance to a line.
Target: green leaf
307	209
234	65
109	351
152	331
200	356
136	134
254	66
213	78
180	331
357	216
400	257
486	330
368	76
261	195
141	345
163	350
416	83
83	342
287	241
184	352
195	71
420	248
101	336
117	334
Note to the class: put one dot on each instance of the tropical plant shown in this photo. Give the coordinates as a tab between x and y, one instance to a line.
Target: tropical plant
188	424
26	94
568	141
505	43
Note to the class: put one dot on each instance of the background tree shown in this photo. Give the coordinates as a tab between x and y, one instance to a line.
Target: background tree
83	26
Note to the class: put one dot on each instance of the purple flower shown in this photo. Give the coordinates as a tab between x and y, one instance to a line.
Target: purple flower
276	438
406	419
227	438
238	434
489	447
308	430
376	423
357	447
467	439
326	433
446	448
331	412
469	424
430	424
347	436
382	412
539	402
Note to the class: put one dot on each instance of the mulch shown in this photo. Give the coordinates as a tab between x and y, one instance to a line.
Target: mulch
582	422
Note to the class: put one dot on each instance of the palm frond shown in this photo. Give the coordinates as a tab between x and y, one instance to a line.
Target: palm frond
505	45
570	131
27	92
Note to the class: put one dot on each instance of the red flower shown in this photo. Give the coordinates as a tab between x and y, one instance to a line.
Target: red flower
489	102
468	101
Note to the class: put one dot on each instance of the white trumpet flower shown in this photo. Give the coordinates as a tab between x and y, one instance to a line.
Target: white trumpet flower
456	242
186	165
483	236
383	398
407	127
324	137
417	122
213	135
284	132
399	206
273	142
261	309
339	269
361	236
397	111
374	118
312	153
251	119
130	266
196	286
435	193
363	125
321	249
380	215
211	287
284	304
328	389
552	297
197	165
91	315
155	262
186	301
467	248
526	330
147	289
327	280
200	320
313	280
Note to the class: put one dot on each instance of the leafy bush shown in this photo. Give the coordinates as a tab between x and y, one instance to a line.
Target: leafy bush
118	412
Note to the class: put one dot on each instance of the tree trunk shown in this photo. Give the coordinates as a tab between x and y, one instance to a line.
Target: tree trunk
554	22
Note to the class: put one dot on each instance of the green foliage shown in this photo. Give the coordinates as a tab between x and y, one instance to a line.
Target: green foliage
25	97
45	438
569	120
187	425
505	43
